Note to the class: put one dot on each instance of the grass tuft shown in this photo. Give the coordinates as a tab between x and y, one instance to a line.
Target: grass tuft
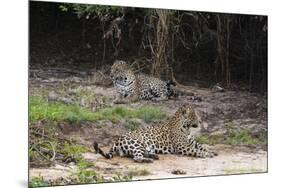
233	136
132	126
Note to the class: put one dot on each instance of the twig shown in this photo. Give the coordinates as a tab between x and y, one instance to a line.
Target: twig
35	147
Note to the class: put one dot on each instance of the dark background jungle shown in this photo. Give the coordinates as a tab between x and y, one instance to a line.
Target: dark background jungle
190	47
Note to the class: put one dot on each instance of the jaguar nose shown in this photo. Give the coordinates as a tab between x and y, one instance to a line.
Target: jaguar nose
194	125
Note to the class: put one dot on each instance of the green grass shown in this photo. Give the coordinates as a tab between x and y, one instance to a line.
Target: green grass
73	148
38	182
241	137
233	136
212	139
84	164
147	113
41	110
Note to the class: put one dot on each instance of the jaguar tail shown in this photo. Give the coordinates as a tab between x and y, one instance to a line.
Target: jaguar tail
108	155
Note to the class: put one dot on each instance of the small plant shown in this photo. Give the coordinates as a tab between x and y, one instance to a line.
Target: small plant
73	151
86	176
38	182
84	164
131	125
119	177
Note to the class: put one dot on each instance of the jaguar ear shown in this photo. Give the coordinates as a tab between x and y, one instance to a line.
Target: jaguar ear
181	110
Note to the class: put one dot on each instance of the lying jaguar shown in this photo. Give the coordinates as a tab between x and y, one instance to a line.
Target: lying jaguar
172	137
136	87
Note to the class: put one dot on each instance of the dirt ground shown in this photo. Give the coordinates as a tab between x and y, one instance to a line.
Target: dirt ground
217	109
231	160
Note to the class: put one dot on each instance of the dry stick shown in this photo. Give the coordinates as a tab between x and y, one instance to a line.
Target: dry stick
104	43
40	153
101	73
134	62
141	68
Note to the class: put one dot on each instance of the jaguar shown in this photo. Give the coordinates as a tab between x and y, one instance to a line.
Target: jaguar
140	86
172	137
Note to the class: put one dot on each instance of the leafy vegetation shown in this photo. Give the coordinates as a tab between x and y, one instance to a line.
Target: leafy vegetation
40	110
38	182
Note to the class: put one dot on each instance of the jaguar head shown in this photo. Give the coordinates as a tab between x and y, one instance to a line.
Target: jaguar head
117	67
125	78
188	117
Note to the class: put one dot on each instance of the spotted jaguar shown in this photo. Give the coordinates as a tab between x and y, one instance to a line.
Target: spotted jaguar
172	137
140	86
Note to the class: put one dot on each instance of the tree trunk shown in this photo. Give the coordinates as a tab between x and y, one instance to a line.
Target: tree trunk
160	67
223	41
